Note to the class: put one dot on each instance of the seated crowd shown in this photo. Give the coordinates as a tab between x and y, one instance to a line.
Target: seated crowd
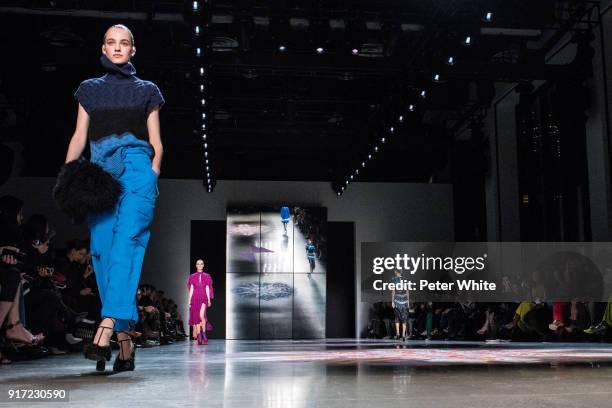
53	292
525	321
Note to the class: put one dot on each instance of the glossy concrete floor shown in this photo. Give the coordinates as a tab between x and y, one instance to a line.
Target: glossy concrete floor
332	373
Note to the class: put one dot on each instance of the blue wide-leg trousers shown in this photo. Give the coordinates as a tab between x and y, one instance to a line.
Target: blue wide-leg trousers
119	240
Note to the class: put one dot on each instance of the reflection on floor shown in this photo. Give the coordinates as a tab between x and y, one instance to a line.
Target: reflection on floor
333	373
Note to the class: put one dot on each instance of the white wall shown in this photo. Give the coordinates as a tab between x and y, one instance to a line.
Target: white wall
380	211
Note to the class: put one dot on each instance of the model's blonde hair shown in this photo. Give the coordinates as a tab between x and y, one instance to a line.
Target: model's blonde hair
123	27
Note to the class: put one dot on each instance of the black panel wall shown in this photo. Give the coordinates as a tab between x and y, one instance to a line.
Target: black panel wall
208	243
340	307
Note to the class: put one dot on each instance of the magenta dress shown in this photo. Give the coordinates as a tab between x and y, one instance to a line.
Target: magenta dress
199	280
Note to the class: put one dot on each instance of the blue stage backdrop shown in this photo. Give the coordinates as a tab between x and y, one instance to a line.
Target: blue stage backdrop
276	267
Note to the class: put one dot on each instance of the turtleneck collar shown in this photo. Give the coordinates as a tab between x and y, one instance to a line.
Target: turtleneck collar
117	72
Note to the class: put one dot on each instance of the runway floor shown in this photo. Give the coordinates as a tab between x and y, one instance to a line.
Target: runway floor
332	373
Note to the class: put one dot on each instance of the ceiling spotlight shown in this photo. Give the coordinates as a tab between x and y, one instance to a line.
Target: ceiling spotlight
423	94
206	145
391	129
207	174
204	136
198	52
320	50
203	101
282	48
356	171
196	30
400	119
342	188
450	61
383	140
346	182
205	154
201	87
436	77
467	40
196	6
206	161
207	168
411	108
203	115
203	126
362	164
338	194
351	177
355	51
369	157
376	148
201	71
488	17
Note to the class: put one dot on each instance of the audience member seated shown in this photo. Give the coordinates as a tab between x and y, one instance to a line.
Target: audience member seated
148	322
527	323
81	291
604	326
11	267
46	311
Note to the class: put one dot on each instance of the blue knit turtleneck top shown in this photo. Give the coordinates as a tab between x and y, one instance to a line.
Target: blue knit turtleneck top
118	104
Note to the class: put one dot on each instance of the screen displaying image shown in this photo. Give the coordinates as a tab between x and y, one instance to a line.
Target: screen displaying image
276	268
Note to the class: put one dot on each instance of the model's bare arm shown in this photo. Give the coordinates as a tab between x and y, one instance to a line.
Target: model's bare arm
79	138
155	139
190	293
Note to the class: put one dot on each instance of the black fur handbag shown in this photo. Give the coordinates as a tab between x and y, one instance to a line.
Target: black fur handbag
83	188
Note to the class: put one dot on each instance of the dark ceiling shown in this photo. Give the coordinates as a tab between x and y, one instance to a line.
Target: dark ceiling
292	115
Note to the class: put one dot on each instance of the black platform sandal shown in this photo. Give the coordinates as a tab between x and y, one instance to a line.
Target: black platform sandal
101	354
128	364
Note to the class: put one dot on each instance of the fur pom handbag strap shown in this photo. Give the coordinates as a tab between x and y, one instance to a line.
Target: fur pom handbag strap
84	189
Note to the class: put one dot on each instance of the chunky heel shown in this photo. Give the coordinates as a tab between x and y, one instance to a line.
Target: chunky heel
128	364
95	352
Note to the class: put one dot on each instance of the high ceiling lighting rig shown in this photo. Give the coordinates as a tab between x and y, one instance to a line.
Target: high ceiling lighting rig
411	106
389	131
199	23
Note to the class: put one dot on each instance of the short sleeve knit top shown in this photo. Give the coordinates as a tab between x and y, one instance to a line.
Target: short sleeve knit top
118	104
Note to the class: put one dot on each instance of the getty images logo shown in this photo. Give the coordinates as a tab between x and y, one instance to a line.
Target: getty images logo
411	264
